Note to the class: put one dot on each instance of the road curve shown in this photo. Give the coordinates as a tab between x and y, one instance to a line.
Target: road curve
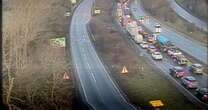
189	46
95	85
187	16
164	66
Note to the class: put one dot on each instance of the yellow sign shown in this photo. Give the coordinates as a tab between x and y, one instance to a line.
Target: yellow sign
73	1
124	70
97	11
156	103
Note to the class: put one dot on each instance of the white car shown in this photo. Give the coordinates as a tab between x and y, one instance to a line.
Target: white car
173	52
144	45
157	56
197	68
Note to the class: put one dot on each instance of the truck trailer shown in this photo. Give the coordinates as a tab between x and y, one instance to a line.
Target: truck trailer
138	38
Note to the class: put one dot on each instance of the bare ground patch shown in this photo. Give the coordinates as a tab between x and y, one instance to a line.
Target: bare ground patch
33	68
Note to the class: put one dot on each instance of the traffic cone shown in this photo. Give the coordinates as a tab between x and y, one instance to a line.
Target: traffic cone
124	70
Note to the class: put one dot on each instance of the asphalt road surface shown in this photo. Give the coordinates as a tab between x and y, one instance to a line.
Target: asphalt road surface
191	47
164	66
187	16
95	85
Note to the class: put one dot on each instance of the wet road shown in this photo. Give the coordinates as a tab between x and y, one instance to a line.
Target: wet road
191	47
187	16
96	87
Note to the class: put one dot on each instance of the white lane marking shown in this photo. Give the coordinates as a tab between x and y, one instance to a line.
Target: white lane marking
82	86
91	71
119	92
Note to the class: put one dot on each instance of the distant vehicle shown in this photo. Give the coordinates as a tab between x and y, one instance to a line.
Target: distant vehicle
178	71
169	46
145	34
202	94
131	27
158	28
144	45
150	39
174	52
151	49
196	68
138	38
180	59
157	55
190	82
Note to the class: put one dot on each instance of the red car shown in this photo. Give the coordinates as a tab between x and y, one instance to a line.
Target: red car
189	82
178	72
202	94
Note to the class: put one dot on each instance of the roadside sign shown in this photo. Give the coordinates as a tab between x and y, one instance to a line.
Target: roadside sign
141	19
97	11
66	76
124	70
60	42
73	1
156	103
67	14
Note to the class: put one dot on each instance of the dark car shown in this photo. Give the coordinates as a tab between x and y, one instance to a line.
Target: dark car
178	71
151	49
189	82
202	94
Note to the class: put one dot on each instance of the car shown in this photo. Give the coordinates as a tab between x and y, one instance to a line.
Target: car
196	68
178	72
151	49
150	39
169	47
173	52
180	59
189	82
202	94
157	55
144	45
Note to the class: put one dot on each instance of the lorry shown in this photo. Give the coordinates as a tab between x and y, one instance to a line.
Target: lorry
132	28
162	40
138	38
125	20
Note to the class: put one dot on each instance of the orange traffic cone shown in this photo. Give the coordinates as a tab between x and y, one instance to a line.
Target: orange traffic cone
65	77
124	70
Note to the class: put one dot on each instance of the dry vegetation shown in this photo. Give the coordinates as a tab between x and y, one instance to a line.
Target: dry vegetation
143	83
161	10
197	7
32	67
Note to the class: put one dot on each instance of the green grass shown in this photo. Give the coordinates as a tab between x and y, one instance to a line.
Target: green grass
148	85
179	1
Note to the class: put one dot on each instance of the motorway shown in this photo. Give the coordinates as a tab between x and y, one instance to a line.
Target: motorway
185	43
164	66
96	87
187	16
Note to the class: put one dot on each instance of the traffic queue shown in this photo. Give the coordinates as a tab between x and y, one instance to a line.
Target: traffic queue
158	47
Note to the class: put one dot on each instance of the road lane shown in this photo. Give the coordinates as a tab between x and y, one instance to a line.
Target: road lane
164	66
187	16
97	88
189	46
